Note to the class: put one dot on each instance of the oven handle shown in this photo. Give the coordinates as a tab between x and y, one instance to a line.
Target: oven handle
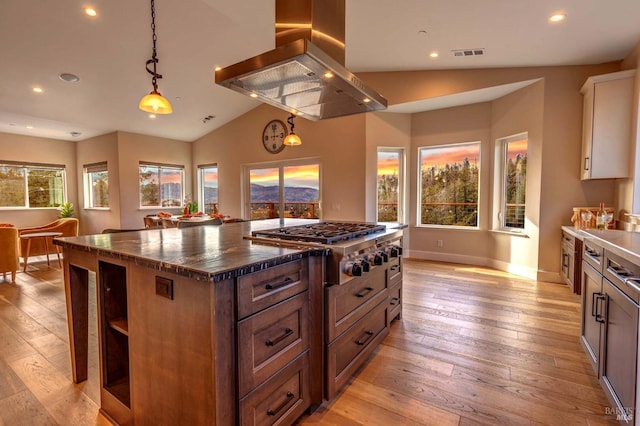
287	332
285	282
364	292
367	335
271	412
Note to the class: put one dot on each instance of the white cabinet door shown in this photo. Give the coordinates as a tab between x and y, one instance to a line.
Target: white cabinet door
606	122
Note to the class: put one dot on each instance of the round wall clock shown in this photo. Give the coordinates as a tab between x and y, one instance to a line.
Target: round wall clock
273	136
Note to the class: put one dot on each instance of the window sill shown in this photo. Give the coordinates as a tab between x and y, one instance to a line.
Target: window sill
98	208
520	234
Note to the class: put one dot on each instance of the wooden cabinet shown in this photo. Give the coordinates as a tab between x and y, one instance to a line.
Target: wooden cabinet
609	332
571	261
606	121
274	344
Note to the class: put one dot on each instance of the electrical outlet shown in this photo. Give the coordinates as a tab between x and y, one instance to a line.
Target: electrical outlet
440	243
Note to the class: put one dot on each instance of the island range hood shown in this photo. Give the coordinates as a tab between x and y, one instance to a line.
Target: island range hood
305	73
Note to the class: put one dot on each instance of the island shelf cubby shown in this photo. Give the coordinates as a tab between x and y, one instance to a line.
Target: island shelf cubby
115	336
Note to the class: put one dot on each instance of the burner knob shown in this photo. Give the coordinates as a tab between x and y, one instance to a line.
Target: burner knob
352	269
364	263
393	251
377	259
384	255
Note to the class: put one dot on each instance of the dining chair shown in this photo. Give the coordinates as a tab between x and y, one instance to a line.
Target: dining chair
9	255
168	223
151	223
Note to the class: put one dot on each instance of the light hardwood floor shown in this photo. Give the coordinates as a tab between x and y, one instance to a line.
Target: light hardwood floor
474	346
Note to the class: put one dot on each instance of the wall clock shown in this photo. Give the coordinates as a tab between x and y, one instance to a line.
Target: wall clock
273	136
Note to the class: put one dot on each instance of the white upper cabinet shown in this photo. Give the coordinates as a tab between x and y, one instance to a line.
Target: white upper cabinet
606	125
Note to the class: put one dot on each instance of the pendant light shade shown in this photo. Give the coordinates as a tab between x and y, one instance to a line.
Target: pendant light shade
292	139
154	102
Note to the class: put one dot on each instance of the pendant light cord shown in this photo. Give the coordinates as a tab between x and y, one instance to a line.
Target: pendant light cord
289	120
154	59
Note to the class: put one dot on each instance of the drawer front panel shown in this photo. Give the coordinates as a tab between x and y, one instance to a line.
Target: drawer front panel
281	399
395	271
395	301
347	303
262	289
269	340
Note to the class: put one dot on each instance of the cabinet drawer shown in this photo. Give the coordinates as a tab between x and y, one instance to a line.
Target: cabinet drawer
593	254
270	339
345	304
281	399
348	352
394	274
395	301
262	289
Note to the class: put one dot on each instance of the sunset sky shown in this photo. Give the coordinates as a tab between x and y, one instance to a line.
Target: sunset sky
517	147
440	157
300	176
388	163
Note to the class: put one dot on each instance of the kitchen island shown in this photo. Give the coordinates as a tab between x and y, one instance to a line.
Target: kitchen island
198	325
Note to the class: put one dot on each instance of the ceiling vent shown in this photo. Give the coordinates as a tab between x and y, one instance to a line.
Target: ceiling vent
468	52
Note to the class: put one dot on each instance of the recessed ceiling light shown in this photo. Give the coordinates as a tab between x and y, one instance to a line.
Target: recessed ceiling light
37	89
90	11
328	74
218	68
434	55
366	100
557	17
29	127
70	78
152	116
75	134
253	95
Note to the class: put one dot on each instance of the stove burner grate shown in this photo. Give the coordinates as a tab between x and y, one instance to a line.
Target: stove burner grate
323	232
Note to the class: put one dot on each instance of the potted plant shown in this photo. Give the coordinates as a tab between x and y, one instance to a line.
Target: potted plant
66	210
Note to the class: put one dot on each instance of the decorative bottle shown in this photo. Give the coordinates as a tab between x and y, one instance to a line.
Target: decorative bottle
601	218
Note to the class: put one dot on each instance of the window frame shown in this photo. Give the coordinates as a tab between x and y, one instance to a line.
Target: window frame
27	166
401	180
201	197
162	166
419	223
88	171
501	174
280	165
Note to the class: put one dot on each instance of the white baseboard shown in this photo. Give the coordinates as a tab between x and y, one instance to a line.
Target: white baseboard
520	270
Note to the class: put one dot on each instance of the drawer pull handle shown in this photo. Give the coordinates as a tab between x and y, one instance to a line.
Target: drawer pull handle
394	267
394	301
365	338
279	408
287	332
364	292
286	281
591	252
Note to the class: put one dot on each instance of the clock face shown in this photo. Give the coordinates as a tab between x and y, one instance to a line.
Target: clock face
273	136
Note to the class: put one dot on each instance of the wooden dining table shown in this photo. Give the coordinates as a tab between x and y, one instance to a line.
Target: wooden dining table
176	219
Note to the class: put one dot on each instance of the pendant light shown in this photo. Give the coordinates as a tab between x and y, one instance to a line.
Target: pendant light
154	102
292	139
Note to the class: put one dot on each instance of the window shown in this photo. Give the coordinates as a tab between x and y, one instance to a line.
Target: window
390	184
96	185
448	185
32	185
514	181
284	190
161	185
208	184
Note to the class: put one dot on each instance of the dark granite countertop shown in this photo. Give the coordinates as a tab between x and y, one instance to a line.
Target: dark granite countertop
211	253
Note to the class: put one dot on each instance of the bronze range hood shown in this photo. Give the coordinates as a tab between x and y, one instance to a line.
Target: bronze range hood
305	73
